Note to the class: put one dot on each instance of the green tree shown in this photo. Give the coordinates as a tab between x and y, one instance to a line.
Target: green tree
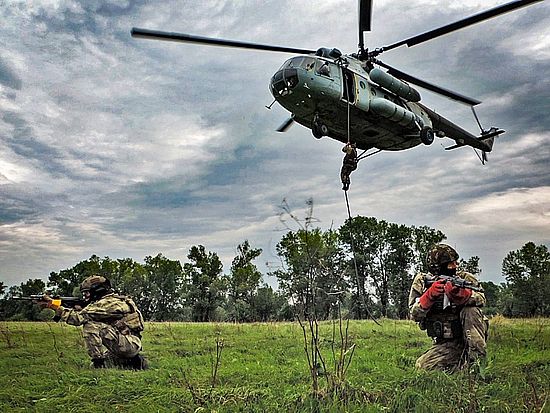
505	301
313	270
268	305
372	255
424	239
67	282
361	239
398	262
242	282
493	293
386	254
206	288
470	265
24	310
164	279
133	279
527	271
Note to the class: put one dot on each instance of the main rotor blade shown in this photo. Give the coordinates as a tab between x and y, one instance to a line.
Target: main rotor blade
434	88
505	8
365	18
188	38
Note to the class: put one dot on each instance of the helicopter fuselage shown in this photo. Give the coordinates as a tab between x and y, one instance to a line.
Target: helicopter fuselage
339	99
350	99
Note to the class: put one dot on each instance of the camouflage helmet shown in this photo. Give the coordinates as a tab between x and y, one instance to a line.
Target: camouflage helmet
440	255
95	284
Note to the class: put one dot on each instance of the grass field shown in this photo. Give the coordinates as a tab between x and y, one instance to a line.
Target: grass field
263	368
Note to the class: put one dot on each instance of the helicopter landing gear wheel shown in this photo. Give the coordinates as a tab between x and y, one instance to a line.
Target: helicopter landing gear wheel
427	135
318	129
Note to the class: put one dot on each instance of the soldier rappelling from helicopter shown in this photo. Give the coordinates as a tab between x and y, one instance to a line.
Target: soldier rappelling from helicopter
349	164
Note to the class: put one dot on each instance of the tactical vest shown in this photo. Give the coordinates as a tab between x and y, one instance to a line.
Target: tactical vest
443	324
131	323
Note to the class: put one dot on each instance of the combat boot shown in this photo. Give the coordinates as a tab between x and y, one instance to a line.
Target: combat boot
98	363
138	362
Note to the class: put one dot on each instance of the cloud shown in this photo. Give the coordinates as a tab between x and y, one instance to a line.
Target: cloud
117	146
8	77
526	210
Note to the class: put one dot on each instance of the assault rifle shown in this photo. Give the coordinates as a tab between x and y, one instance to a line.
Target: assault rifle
69	302
455	281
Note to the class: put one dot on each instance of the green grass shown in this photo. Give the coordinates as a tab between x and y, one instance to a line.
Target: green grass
263	368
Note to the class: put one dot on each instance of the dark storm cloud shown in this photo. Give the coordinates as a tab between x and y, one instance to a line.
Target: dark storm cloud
8	77
113	9
82	18
214	185
16	206
23	143
66	21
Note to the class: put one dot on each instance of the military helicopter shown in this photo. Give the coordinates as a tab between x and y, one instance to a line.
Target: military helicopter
351	98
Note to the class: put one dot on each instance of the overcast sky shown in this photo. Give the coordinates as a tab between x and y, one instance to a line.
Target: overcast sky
126	147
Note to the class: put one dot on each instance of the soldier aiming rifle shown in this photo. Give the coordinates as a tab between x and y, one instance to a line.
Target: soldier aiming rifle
111	323
447	304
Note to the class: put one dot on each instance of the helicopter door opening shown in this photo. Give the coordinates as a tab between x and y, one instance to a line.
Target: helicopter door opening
348	85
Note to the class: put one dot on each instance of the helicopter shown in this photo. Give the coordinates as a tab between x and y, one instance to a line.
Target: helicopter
356	98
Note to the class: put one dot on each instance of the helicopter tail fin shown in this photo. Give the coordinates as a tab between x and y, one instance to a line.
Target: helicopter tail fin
488	137
489	142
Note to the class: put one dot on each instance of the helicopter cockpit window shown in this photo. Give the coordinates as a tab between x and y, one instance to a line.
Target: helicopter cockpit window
308	63
293	63
322	68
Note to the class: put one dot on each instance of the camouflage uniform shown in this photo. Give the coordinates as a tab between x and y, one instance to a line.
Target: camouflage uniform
459	332
111	326
349	165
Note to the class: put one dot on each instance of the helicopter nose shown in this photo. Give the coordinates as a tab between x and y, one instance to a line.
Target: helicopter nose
284	81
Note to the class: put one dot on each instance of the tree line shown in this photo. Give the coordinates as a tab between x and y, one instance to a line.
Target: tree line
363	269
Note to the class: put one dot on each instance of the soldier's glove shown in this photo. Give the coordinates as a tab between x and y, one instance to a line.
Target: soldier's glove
431	295
457	295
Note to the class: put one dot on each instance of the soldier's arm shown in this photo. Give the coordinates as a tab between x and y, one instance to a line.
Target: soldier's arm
71	316
477	298
416	312
105	310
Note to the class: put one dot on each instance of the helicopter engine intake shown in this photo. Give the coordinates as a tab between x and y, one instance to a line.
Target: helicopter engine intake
395	113
394	85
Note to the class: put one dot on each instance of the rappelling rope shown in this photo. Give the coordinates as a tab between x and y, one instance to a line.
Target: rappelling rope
347	94
349	212
362	156
355	261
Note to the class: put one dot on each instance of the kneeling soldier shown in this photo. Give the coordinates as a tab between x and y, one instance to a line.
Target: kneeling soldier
450	313
111	323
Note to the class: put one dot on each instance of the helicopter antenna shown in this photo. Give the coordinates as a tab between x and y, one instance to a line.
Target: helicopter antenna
365	17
